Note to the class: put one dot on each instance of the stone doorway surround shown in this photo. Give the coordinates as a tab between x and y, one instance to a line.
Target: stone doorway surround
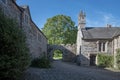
93	59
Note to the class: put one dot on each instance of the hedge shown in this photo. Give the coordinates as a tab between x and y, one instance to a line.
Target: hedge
104	60
43	62
14	54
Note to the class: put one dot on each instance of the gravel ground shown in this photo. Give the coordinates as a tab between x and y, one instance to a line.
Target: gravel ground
66	71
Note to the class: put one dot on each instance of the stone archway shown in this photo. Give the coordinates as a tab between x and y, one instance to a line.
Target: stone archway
57	55
68	52
52	48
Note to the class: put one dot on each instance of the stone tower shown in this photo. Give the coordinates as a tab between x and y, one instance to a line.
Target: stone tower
81	20
81	25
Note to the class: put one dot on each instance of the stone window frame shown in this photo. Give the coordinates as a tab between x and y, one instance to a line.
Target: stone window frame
102	46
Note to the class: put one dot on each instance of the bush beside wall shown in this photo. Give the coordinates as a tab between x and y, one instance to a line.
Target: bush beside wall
104	60
41	62
14	54
118	58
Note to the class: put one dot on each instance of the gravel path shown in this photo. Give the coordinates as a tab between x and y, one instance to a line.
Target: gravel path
66	71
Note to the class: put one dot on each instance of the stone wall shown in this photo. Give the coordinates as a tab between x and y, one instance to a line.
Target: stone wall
110	47
11	10
87	48
91	47
68	51
36	40
116	44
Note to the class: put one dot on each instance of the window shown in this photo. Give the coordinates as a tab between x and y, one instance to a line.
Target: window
101	46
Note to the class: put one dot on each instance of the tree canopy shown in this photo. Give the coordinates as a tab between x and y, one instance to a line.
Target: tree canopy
60	29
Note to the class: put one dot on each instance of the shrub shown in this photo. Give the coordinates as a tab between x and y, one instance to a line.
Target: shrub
14	57
104	60
41	63
118	58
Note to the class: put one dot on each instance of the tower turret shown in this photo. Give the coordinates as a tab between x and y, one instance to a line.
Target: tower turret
81	20
81	24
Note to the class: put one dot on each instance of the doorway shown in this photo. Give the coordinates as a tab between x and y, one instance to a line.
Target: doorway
92	59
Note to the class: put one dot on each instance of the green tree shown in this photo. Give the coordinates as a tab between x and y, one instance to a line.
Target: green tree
14	54
60	29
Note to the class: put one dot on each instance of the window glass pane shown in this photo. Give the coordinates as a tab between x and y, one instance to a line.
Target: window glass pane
103	46
99	46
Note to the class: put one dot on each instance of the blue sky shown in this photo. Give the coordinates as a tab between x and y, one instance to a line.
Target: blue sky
98	12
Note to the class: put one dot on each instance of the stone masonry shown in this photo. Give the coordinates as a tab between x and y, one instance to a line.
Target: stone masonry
68	51
96	40
36	40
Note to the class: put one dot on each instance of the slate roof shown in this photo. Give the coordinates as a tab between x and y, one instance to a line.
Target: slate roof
100	32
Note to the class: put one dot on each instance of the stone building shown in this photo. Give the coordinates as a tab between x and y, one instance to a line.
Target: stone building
36	40
94	40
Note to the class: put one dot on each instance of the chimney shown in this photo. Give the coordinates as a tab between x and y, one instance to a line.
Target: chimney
109	26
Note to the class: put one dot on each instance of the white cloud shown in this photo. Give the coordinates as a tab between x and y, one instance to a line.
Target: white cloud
93	23
103	19
109	19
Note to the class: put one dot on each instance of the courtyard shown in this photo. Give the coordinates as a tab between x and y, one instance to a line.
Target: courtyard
69	71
